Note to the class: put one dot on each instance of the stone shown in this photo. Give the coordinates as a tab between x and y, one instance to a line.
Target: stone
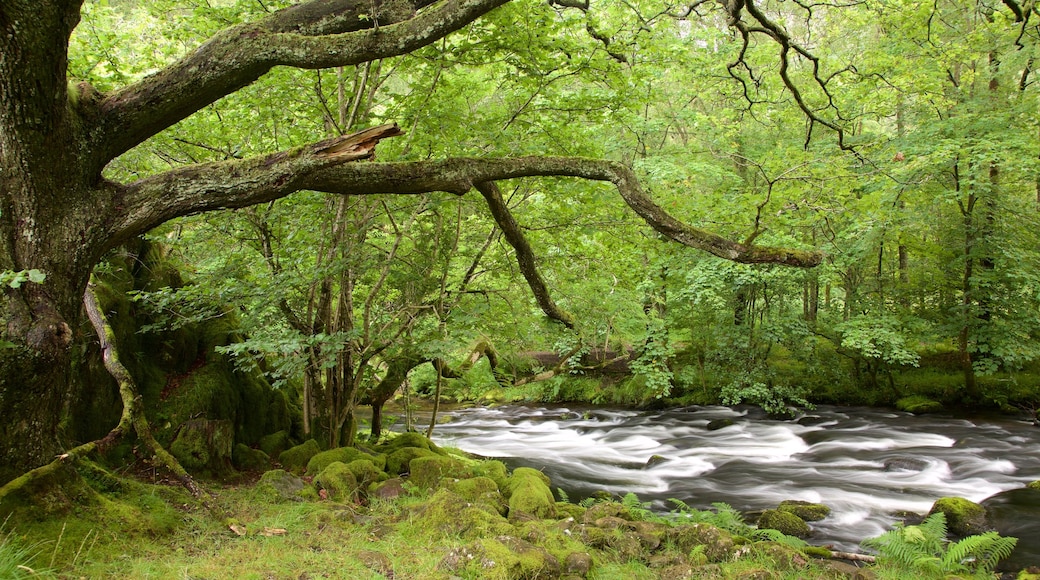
784	522
577	563
717	424
245	458
807	511
427	472
295	459
204	445
338	482
279	485
529	493
963	517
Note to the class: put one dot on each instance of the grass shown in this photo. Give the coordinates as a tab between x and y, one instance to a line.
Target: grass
145	531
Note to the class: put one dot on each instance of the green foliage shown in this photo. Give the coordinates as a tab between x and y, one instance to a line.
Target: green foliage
16	279
16	557
726	518
923	549
773	399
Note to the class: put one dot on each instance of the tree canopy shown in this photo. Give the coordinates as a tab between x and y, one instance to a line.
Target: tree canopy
762	133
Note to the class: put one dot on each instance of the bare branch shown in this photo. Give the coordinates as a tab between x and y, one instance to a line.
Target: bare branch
524	254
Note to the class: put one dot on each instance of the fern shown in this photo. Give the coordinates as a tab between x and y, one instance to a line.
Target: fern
563	495
925	550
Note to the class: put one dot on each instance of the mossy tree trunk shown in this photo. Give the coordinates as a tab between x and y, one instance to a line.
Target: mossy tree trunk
60	216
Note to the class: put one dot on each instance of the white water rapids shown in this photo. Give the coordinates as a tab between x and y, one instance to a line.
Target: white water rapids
867	465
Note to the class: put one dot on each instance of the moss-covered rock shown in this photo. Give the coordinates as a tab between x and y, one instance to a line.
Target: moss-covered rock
366	473
245	458
427	472
606	509
449	514
783	557
718	544
278	485
204	445
295	459
508	558
410	439
338	482
918	404
494	469
482	490
397	462
808	511
784	522
344	455
529	493
274	443
963	517
1033	484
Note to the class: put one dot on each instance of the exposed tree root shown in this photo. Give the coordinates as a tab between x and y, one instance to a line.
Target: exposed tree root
133	418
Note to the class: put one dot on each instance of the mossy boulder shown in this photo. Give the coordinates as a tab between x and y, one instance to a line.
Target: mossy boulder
449	514
338	482
783	557
274	443
606	509
1034	484
918	404
493	469
427	472
808	511
397	462
718	544
366	473
279	486
410	439
481	490
204	445
344	455
506	558
245	458
529	493
295	459
963	517
784	522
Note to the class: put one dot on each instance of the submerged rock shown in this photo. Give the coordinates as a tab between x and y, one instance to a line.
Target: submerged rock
1016	513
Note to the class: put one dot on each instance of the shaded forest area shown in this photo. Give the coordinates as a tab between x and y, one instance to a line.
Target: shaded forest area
853	188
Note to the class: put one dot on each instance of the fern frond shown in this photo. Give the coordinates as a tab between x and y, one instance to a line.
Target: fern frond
588	502
563	495
934	526
980	552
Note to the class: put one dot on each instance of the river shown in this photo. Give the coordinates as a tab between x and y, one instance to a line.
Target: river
867	465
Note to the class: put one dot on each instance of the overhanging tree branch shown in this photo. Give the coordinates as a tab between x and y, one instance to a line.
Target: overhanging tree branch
316	34
327	167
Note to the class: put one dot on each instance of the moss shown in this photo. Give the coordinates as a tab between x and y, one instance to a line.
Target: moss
1034	484
963	517
817	552
204	445
366	473
245	458
279	486
410	439
782	557
449	514
918	404
427	472
398	462
295	459
529	493
784	522
494	469
718	544
338	482
569	510
508	557
274	443
480	490
342	454
810	512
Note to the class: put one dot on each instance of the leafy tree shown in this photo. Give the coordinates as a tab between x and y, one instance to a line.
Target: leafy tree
61	212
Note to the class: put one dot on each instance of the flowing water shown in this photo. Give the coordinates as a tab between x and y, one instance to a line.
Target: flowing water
868	465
